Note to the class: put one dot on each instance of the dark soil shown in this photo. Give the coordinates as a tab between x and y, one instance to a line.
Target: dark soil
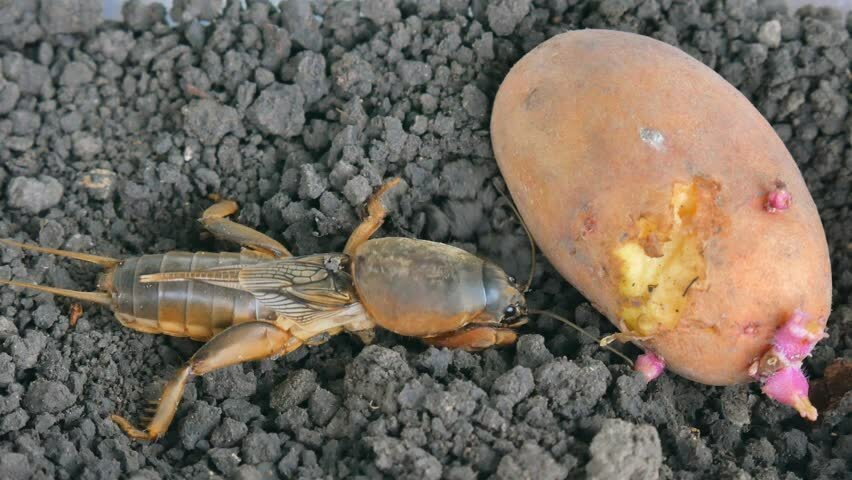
113	134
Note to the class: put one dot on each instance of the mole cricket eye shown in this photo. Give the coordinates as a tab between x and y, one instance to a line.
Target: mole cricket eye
510	311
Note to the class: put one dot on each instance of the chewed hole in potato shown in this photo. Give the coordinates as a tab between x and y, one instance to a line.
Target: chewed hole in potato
663	261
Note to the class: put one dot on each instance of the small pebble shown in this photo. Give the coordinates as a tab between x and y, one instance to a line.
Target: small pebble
86	145
357	190
9	95
71	16
7	369
184	11
14	466
279	110
228	433
198	423
504	15
7	327
474	101
532	458
322	405
380	12
622	449
76	74
209	120
34	195
312	185
261	447
770	34
45	316
413	73
44	396
295	389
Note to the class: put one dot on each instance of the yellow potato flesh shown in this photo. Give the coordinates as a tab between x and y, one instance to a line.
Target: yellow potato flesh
655	287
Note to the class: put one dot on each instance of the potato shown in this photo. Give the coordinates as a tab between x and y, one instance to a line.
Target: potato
667	200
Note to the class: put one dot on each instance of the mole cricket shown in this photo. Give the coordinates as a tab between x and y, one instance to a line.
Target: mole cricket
264	302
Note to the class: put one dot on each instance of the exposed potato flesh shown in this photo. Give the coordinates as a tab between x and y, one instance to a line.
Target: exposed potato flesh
663	262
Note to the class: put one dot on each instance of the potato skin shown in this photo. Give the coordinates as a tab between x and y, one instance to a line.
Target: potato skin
591	130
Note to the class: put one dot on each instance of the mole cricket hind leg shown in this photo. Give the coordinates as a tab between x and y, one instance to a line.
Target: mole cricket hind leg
474	338
216	222
376	213
237	344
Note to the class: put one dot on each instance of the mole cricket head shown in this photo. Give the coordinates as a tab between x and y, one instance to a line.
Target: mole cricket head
505	304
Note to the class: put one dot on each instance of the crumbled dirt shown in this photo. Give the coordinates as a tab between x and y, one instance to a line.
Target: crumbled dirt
112	135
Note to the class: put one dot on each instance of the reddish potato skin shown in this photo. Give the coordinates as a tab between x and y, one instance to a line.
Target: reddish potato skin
565	128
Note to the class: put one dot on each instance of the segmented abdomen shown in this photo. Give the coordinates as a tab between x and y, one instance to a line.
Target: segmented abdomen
182	309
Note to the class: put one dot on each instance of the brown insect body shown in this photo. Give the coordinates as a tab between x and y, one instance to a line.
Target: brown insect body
263	303
182	309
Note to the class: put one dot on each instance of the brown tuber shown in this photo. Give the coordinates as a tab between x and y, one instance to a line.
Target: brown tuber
675	171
